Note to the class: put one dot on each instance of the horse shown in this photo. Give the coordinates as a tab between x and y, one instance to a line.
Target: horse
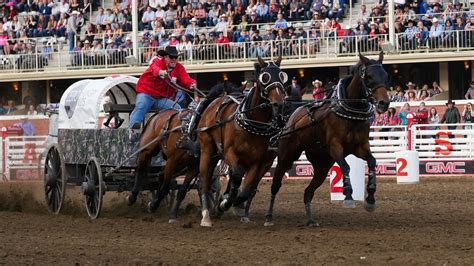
329	131
240	131
161	133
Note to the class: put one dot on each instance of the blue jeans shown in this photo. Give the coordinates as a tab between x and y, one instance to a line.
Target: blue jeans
145	103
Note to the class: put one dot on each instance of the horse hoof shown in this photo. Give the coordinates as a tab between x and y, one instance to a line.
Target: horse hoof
348	204
131	200
172	220
151	207
268	224
311	223
205	223
239	212
369	207
245	220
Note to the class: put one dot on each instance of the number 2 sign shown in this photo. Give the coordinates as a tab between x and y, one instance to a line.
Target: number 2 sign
356	175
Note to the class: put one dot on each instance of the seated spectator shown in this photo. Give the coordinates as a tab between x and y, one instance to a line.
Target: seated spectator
192	29
212	16
200	15
399	97
411	87
11	108
392	117
318	90
424	94
221	26
263	11
411	96
436	89
422	114
280	23
470	91
46	54
148	17
99	19
170	16
31	110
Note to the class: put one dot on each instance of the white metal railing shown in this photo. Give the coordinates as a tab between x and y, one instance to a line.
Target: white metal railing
440	142
385	141
298	48
22	154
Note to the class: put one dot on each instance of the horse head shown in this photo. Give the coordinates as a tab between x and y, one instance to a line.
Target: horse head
374	80
270	83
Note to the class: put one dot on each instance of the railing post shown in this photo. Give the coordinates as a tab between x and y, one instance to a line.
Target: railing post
217	52
36	60
271	50
307	45
457	41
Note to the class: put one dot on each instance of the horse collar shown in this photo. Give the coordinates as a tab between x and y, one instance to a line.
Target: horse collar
343	109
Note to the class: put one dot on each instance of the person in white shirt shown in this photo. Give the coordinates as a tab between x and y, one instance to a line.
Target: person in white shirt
148	17
99	20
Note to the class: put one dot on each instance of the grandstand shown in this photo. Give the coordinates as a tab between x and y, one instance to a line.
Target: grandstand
316	42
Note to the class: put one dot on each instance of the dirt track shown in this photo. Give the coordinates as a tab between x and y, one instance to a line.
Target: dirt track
428	223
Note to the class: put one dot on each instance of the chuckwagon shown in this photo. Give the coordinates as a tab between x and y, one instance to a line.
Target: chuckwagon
90	144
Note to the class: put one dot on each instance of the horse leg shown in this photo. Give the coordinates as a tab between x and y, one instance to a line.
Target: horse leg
285	162
236	174
183	189
263	170
141	171
338	155
250	184
207	151
163	189
320	172
369	203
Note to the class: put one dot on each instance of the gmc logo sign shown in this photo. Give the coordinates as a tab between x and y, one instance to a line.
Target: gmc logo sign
445	168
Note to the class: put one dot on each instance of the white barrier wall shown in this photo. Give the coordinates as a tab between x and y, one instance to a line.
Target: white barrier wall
439	155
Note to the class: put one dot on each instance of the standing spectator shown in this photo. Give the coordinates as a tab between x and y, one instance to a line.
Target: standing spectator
402	115
421	35
451	116
295	91
71	29
422	114
318	90
433	119
26	126
470	91
436	33
347	44
467	116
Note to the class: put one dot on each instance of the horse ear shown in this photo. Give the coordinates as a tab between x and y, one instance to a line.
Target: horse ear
381	57
258	67
278	61
261	62
363	59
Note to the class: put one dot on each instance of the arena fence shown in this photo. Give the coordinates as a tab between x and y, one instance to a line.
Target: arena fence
439	154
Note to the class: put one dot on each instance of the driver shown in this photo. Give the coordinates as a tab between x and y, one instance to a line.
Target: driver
152	89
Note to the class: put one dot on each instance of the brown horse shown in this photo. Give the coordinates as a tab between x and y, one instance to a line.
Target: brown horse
241	133
167	127
328	133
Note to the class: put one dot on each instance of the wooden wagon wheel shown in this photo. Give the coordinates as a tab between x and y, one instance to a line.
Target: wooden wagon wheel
93	188
54	177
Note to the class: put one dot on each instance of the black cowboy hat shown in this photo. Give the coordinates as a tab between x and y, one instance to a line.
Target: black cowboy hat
169	50
450	101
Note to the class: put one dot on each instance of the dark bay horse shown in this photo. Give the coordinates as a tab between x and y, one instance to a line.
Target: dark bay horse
240	132
328	133
167	127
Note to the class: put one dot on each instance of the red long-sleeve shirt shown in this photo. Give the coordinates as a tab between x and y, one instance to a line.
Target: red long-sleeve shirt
151	84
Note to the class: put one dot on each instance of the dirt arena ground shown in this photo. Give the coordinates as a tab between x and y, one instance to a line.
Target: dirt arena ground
427	223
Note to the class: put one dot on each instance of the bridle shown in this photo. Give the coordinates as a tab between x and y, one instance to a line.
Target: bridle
268	82
370	88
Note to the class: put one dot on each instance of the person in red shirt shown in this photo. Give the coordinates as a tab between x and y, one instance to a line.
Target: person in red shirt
318	90
153	91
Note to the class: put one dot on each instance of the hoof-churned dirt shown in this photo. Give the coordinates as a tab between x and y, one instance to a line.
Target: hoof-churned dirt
427	223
